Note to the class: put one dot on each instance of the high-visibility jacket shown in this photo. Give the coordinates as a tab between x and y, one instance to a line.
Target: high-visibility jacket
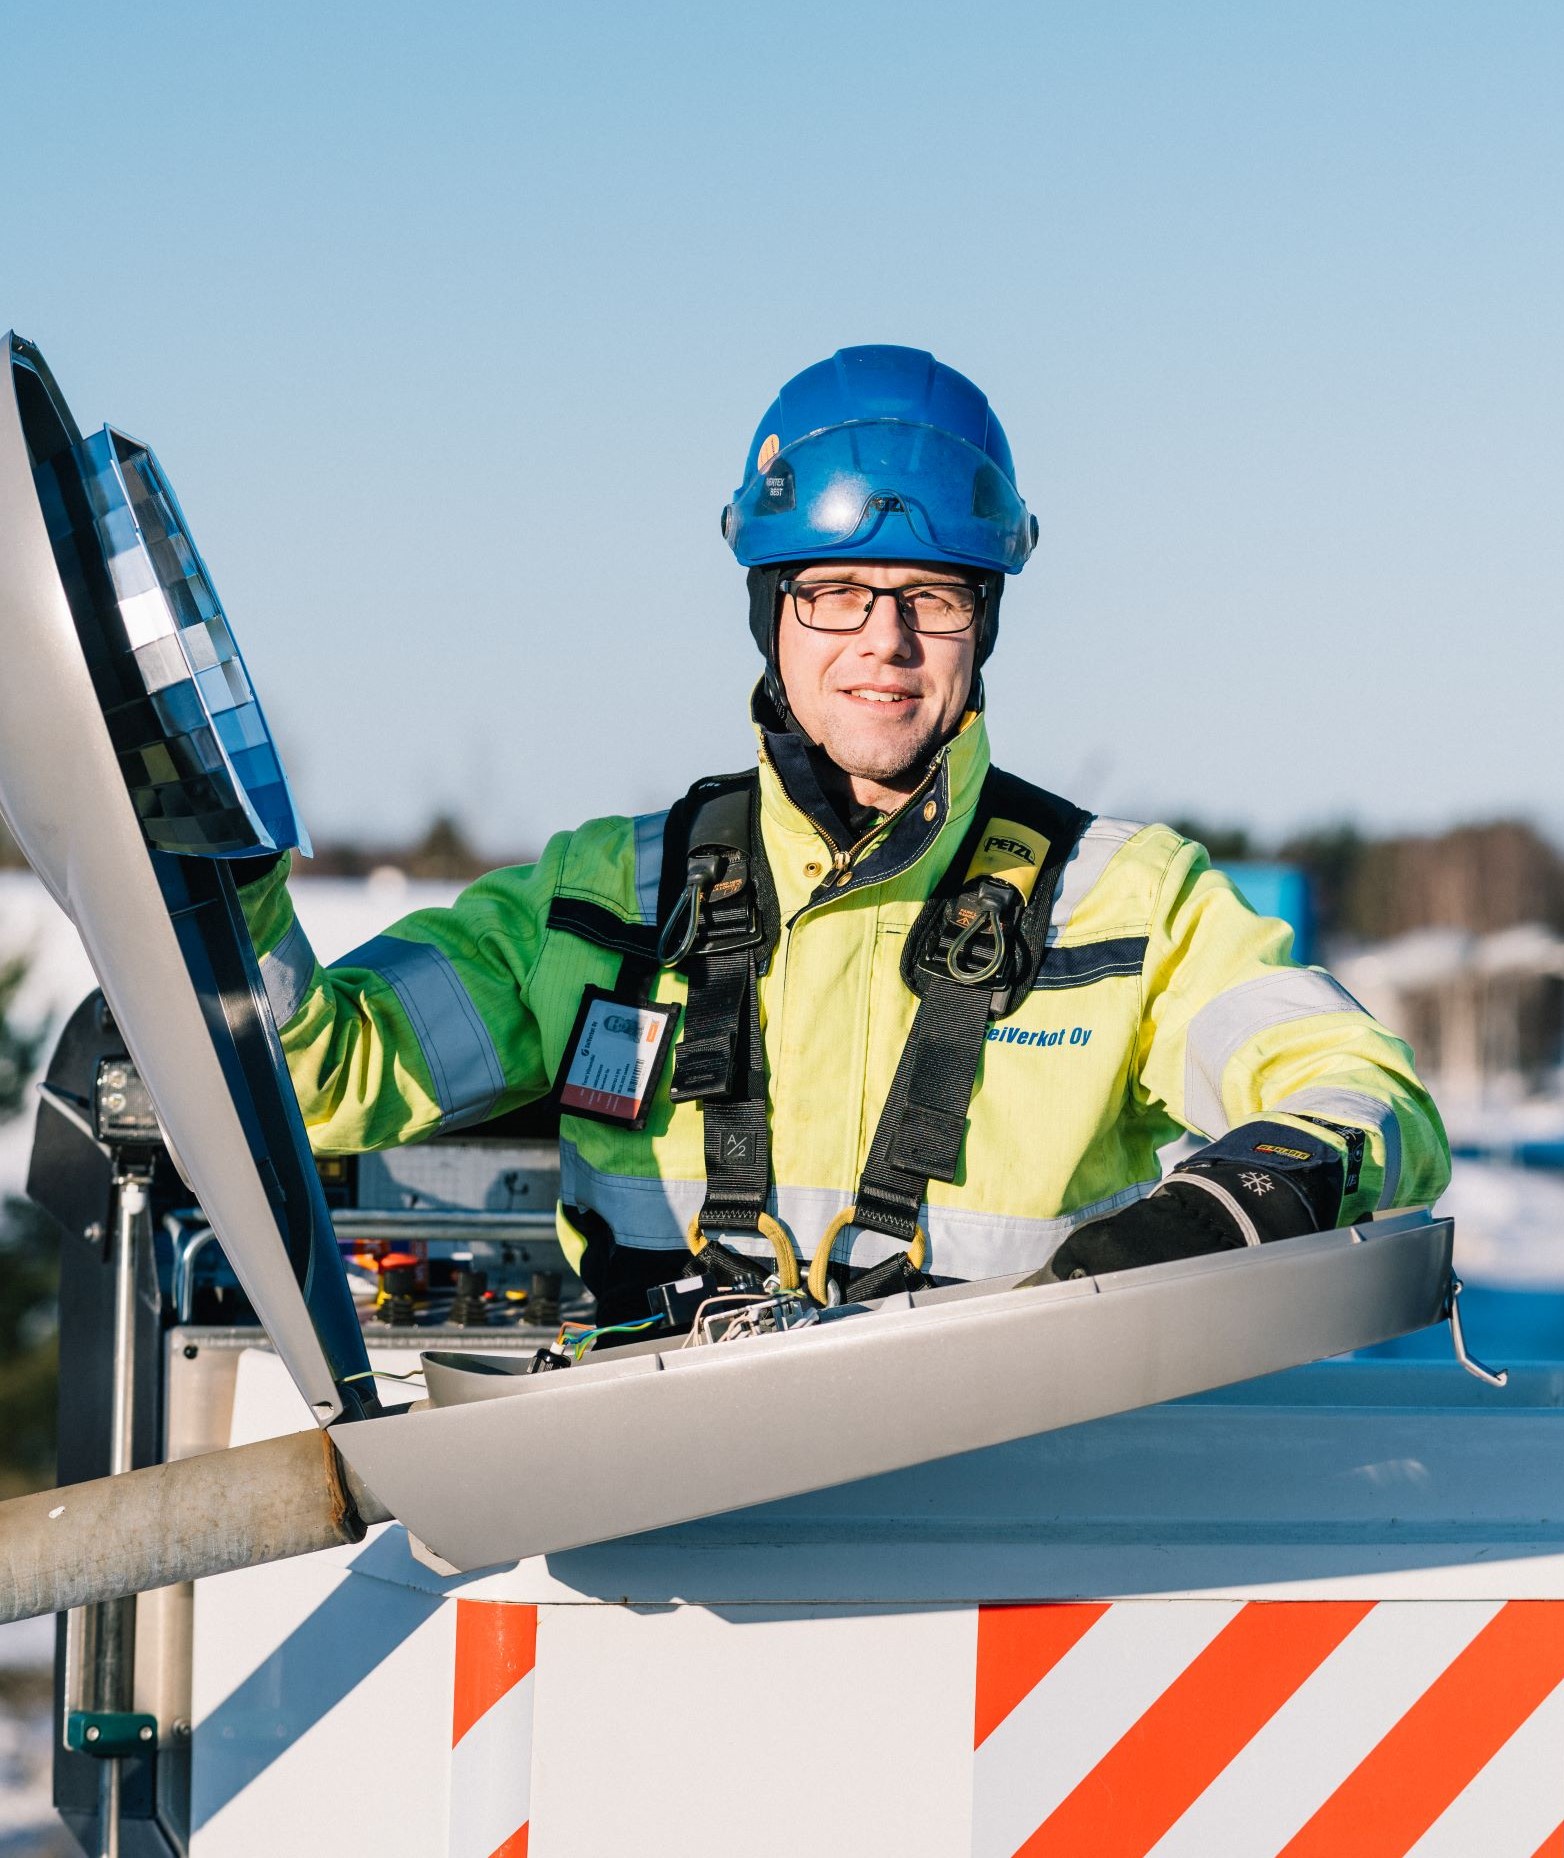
1167	1005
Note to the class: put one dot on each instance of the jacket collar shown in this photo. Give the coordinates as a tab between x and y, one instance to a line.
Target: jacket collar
793	803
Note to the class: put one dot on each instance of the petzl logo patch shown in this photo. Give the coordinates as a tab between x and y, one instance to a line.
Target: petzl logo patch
770	445
1009	850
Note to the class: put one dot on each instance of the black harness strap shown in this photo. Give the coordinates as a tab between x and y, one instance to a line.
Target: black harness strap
721	931
737	1143
973	956
919	1135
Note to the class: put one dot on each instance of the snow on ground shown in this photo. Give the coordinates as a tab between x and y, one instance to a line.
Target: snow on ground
28	1827
1509	1225
337	914
28	1645
58	975
1503	1117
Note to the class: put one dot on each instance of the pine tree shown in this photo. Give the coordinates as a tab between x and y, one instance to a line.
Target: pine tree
18	1055
29	1277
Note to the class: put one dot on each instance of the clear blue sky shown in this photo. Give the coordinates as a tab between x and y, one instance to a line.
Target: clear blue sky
451	329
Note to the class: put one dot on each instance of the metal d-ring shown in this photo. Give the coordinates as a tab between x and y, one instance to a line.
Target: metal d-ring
976	976
770	1230
1495	1377
688	911
703	872
819	1266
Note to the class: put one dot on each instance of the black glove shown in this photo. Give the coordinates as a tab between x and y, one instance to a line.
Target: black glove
251	870
1264	1181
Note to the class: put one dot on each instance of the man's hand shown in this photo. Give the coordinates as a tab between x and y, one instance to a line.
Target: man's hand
251	870
1177	1221
1264	1181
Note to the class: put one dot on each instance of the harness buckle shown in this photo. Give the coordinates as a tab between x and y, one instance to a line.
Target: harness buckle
974	939
718	911
819	1284
703	870
709	1250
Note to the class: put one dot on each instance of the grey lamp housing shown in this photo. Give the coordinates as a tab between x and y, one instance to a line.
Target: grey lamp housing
134	761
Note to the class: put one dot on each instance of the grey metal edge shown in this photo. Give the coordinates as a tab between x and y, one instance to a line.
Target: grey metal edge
64	798
668	1435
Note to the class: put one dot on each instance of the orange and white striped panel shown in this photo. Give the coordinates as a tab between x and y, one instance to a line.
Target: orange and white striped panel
1270	1729
491	1729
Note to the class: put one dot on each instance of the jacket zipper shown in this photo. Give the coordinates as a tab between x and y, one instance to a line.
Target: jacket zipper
843	861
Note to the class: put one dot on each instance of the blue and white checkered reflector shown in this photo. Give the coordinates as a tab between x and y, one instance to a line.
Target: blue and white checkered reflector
198	758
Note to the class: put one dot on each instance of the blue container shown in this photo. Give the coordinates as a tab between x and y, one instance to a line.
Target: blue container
1280	890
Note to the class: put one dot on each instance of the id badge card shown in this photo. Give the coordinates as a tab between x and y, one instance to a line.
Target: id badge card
615	1057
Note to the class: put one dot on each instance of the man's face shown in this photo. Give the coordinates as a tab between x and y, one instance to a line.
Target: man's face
880	700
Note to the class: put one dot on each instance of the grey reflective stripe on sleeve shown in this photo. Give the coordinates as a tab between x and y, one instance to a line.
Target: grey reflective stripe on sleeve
648	863
1227	1023
286	971
653	1213
1085	866
463	1064
1354	1106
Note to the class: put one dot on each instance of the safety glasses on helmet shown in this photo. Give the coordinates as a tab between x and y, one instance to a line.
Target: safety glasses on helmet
881	489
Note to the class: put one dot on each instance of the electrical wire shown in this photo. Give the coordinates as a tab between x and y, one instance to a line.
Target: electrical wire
694	1338
790	1310
579	1343
747	1297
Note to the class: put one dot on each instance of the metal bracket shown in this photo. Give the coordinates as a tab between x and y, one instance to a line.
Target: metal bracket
1499	1377
110	1733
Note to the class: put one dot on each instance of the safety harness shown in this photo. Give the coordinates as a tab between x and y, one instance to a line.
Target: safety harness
721	930
971	959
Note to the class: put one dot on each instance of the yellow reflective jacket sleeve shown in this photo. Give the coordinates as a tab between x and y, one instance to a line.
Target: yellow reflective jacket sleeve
1232	1031
425	1027
1165	1002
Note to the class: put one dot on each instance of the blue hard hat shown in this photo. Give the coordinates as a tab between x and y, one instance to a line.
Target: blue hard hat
880	453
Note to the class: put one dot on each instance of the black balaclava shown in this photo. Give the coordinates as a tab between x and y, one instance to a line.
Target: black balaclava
765	610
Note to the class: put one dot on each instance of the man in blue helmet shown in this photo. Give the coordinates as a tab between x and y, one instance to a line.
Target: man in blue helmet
926	1021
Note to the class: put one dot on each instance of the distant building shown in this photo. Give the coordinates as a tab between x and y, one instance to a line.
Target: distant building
1483	1013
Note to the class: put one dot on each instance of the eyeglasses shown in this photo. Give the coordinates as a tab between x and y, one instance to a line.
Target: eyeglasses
845	606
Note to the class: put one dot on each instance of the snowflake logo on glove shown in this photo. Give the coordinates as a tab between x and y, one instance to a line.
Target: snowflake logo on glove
1257	1183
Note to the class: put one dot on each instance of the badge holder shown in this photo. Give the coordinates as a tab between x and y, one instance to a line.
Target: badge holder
615	1058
